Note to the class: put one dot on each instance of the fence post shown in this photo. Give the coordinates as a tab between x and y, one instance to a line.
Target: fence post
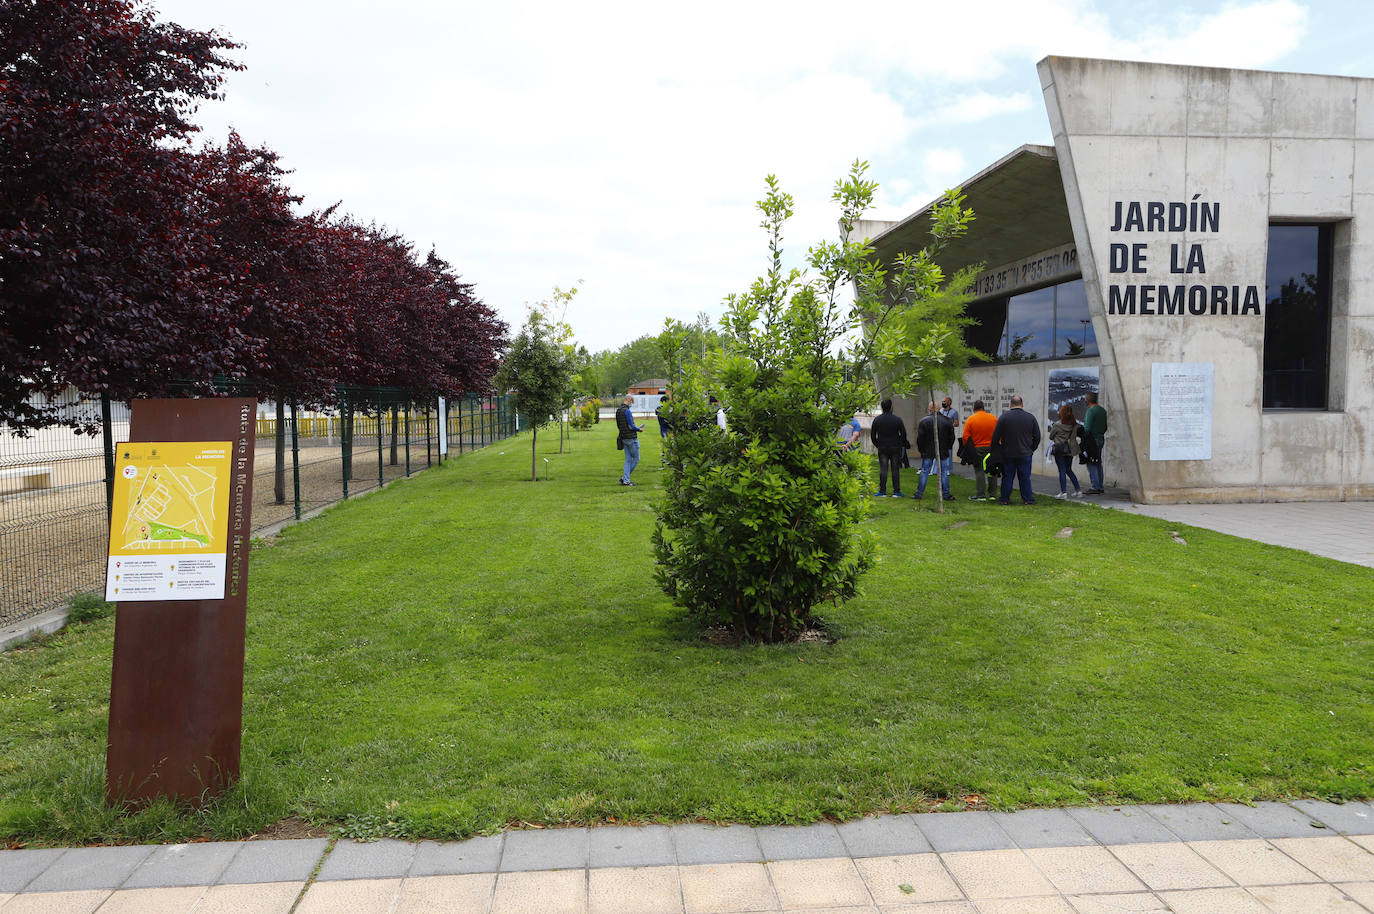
407	418
105	422
381	481
429	461
279	454
295	457
346	439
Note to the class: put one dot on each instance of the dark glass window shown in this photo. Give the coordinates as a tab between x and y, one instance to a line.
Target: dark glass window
1034	326
1072	321
988	333
1297	317
1030	326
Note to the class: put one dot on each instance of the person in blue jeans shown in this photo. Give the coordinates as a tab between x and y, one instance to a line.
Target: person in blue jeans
629	438
1017	434
935	441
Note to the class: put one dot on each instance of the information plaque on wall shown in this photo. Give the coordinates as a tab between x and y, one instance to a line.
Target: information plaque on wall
169	523
1181	411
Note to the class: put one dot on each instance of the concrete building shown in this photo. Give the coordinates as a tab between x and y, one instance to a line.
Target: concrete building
1198	245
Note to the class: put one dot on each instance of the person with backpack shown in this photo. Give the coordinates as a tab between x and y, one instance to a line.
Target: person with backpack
978	436
1064	447
628	438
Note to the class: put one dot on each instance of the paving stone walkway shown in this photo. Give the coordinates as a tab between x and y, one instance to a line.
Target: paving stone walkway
1341	530
1306	857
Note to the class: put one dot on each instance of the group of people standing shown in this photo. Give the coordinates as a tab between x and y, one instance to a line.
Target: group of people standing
1007	443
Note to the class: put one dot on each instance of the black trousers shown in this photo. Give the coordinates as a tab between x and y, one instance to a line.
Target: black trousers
889	457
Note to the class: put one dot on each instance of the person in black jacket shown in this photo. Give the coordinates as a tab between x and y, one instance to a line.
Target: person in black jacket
934	436
628	439
888	434
1018	436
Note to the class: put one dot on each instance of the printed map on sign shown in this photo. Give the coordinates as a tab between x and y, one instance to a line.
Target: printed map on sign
171	507
169	525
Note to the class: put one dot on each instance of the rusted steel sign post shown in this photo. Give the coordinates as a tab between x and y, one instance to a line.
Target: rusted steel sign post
178	569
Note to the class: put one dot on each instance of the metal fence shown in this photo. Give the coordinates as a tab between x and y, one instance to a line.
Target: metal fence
54	483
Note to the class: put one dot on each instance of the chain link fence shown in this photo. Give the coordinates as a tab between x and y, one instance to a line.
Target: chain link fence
55	485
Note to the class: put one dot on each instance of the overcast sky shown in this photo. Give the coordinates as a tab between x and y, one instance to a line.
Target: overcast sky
624	145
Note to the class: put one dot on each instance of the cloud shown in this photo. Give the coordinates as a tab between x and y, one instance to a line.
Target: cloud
1252	35
625	143
978	106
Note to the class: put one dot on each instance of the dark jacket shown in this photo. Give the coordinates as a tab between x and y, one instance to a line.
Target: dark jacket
1017	434
888	432
625	423
925	436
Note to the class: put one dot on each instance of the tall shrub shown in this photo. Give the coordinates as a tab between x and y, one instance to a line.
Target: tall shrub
759	524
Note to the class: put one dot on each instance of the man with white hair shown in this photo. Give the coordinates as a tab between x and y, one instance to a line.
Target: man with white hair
628	440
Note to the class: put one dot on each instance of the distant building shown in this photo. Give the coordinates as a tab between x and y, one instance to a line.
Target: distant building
1192	247
649	386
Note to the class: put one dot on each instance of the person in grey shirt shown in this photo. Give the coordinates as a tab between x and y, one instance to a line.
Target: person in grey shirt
949	412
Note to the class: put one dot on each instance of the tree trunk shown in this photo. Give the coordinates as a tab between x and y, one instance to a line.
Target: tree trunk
279	470
940	483
534	441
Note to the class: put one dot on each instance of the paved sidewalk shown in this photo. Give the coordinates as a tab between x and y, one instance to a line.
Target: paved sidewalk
1307	857
1341	530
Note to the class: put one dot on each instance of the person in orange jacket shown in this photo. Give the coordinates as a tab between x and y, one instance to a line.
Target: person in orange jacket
978	435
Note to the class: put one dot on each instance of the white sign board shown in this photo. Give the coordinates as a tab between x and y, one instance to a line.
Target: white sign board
1181	411
645	403
443	427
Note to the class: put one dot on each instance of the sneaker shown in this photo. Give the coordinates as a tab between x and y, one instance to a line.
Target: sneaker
1076	493
977	498
1096	492
1062	495
880	495
898	495
624	483
1005	504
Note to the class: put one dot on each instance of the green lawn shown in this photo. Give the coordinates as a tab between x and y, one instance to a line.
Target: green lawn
468	649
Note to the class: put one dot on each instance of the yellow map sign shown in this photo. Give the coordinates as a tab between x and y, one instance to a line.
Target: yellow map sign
169	528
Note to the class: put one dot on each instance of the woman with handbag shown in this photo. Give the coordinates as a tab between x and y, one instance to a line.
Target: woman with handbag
1064	445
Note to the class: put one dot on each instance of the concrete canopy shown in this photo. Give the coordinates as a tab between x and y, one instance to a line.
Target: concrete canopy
1019	205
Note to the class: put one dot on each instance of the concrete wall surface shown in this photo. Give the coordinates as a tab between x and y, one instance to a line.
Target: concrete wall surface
995	385
1217	156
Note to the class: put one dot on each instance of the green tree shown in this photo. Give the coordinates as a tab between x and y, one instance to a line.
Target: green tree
555	312
538	373
637	360
759	524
